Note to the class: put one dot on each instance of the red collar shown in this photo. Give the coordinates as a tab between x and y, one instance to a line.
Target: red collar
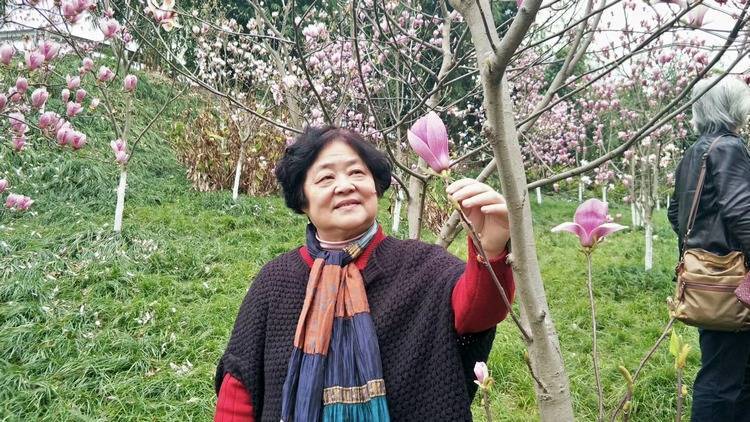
361	261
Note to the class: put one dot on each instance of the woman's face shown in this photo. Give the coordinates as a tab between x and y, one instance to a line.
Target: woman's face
342	201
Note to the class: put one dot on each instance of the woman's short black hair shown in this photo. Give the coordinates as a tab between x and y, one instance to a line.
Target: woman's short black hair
299	156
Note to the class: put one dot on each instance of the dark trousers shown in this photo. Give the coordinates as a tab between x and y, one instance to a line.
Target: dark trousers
721	392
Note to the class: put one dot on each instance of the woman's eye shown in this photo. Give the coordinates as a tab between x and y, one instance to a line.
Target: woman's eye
325	178
358	171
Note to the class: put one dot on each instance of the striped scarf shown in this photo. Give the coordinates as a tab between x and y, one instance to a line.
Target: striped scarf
335	372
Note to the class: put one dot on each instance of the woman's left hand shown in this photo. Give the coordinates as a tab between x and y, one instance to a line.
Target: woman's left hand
486	210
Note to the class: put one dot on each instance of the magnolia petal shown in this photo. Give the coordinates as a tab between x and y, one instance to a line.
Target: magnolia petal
605	230
577	230
420	147
591	214
481	372
437	137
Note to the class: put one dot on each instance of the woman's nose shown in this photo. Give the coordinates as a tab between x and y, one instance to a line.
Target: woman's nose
343	185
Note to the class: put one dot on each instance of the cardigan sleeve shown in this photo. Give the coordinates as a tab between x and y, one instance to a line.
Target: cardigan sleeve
234	403
244	356
477	305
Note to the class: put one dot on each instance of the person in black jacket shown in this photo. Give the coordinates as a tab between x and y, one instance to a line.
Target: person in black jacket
721	391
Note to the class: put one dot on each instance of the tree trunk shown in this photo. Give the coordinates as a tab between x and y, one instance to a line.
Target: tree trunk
553	395
396	218
552	386
238	174
415	208
580	191
539	195
648	259
120	207
604	194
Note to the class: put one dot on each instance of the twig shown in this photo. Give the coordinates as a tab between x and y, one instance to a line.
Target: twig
594	353
477	242
643	363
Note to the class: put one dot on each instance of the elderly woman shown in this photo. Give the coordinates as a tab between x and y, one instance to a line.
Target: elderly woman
722	225
356	325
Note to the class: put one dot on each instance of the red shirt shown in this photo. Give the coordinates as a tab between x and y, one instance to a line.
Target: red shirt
477	306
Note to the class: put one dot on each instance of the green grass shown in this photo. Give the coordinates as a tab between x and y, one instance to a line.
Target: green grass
96	326
102	327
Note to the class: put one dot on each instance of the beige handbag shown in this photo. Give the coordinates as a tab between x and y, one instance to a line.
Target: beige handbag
704	296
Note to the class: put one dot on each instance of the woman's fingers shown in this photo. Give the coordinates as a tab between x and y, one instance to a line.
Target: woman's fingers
500	210
458	184
483	198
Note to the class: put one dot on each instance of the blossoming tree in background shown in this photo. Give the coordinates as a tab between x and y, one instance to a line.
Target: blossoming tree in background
534	91
33	121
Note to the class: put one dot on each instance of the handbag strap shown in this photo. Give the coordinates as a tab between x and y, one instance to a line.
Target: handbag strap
697	195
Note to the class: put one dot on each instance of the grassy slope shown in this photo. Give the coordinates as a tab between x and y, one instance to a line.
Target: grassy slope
101	327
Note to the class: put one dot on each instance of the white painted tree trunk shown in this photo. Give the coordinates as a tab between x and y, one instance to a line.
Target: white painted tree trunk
648	259
238	174
604	194
580	191
539	195
120	207
396	218
658	204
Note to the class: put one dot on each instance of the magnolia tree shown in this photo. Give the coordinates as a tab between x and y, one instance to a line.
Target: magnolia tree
377	66
519	82
33	77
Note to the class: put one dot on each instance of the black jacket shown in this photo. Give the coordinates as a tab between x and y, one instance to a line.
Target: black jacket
722	224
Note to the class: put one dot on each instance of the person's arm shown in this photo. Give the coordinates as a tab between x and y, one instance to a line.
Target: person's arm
477	304
673	212
730	170
234	403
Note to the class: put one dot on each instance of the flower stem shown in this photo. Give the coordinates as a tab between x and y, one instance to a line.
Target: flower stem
594	353
486	402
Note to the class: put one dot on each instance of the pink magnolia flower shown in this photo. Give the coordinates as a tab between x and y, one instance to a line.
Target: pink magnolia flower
34	59
697	15
3	101
482	373
39	97
429	139
164	14
118	145
49	50
590	223
78	141
73	108
105	74
23	203
21	85
110	28
17	123
64	134
48	120
80	95
11	200
19	142
18	202
70	11
3	185
121	157
73	82
6	53
129	83
65	95
87	64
